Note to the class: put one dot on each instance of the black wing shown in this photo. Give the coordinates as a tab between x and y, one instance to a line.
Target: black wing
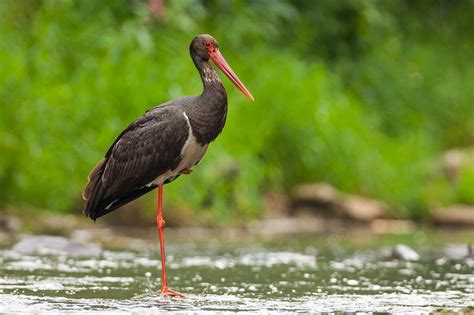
146	149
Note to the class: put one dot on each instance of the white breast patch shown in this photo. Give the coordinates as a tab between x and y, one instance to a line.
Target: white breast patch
192	151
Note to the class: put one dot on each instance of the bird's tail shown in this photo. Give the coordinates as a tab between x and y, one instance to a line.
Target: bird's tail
99	201
92	194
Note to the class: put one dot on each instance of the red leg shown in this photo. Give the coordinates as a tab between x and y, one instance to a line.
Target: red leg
161	225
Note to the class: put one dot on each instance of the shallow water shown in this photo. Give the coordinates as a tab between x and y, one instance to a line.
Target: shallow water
295	275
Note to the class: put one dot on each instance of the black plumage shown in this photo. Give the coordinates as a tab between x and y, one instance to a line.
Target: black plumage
152	145
147	148
167	141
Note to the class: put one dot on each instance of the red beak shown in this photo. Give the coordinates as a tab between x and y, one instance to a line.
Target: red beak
222	64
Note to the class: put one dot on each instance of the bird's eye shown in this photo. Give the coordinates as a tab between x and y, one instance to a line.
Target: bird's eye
207	44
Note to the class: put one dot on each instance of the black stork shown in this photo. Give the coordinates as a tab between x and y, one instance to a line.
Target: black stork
167	141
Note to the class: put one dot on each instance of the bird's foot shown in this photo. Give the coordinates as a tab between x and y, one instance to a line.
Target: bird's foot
168	292
186	171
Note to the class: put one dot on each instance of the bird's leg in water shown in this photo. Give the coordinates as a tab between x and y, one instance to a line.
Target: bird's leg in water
161	225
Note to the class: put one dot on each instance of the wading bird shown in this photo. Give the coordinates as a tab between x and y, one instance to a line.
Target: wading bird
167	141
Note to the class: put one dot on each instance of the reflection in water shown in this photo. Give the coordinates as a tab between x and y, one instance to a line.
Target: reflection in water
235	278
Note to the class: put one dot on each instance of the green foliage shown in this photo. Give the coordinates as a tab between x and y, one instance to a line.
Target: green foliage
465	191
360	94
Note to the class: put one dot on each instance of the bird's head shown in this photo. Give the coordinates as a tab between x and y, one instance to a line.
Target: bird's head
205	47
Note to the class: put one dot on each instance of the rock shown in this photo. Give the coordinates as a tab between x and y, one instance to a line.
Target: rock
277	226
56	245
325	200
9	224
318	194
404	252
318	199
454	215
298	225
458	251
362	209
391	226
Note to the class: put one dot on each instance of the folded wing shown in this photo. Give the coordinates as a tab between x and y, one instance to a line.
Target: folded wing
146	149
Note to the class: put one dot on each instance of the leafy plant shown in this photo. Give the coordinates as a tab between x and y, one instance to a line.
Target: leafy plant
358	94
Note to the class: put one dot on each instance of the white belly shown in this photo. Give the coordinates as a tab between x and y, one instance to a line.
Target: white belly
191	153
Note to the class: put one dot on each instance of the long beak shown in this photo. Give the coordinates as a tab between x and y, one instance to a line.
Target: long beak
222	64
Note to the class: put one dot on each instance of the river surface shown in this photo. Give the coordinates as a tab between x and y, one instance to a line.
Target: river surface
302	274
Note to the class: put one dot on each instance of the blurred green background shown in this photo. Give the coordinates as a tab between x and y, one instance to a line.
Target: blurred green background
364	95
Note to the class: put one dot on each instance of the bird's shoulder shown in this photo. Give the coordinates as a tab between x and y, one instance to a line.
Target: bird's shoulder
149	146
154	123
172	107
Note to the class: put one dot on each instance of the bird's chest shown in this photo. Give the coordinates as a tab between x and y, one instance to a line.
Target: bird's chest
191	153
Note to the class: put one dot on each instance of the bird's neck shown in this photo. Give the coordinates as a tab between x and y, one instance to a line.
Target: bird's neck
212	84
208	114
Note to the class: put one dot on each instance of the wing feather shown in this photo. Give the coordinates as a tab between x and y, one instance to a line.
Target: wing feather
146	149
